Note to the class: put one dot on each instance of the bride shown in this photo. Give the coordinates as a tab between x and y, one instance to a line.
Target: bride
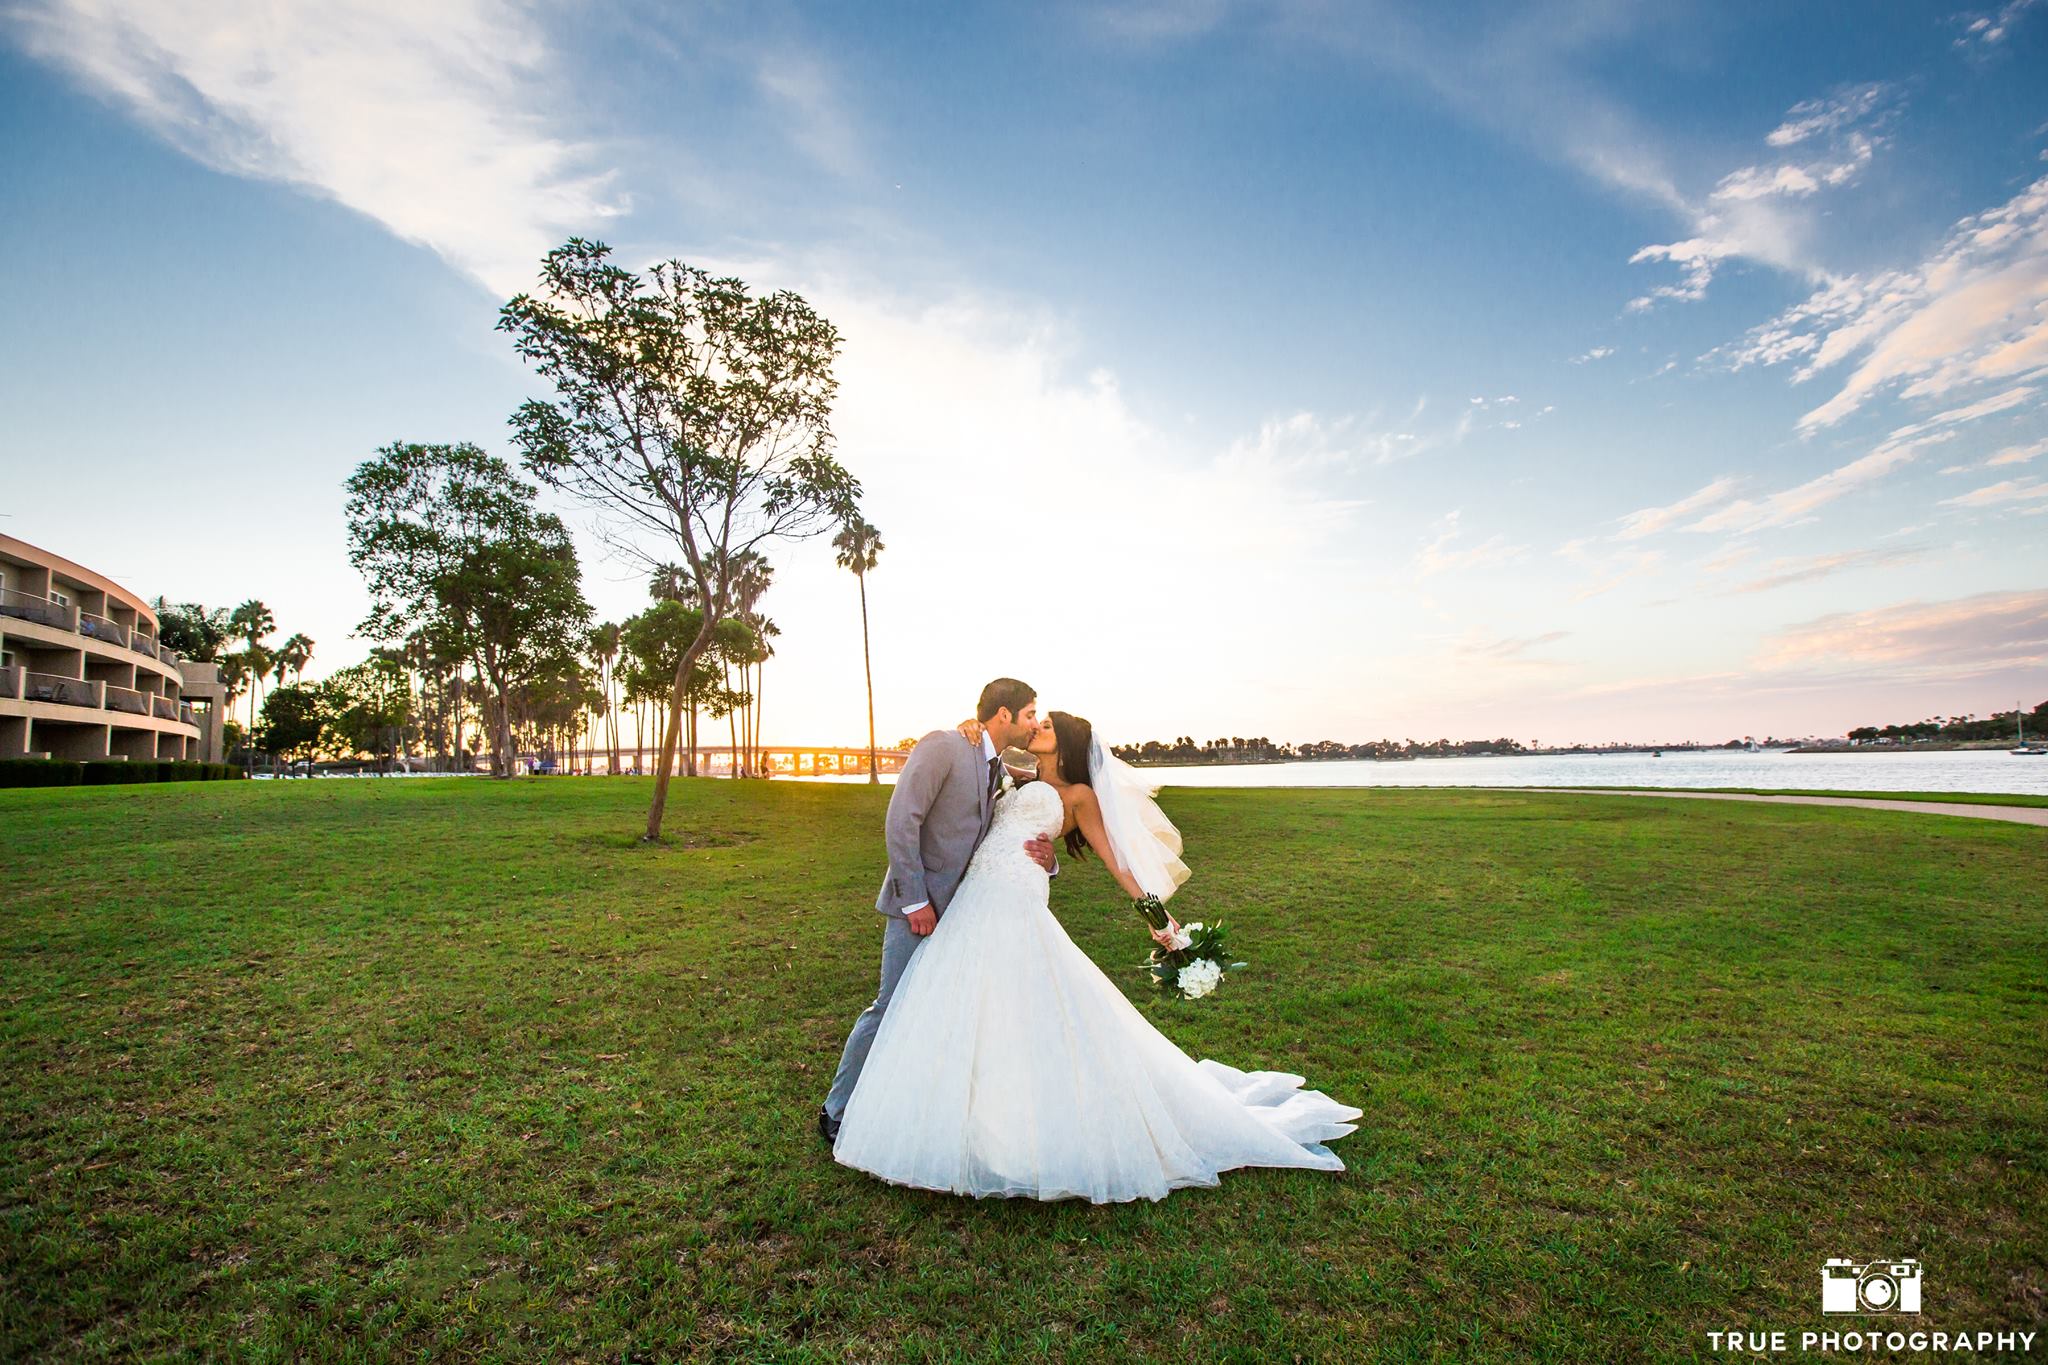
1008	1064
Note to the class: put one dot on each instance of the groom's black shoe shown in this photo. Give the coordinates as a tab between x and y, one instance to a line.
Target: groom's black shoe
828	1127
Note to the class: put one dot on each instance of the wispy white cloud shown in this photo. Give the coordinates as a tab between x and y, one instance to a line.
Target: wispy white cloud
2011	490
1444	555
2012	455
1729	557
1955	639
1974	312
1308	441
1992	27
805	90
1597	353
1813	118
1499	656
1160	20
1752	213
1649	520
1781	573
1795	505
1480	645
1798	181
432	119
1607	568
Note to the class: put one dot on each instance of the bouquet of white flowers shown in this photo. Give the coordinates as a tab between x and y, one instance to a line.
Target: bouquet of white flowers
1195	963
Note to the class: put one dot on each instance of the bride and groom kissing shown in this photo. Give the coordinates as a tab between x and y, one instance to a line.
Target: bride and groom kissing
996	1058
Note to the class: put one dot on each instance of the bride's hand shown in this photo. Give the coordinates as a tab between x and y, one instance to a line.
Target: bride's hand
971	731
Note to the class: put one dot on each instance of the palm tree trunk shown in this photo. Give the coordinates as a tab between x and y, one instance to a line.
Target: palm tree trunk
867	663
732	727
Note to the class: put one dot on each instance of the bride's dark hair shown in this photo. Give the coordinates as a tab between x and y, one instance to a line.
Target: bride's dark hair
1076	740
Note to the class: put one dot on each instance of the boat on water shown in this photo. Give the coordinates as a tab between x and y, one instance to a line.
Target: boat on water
2019	720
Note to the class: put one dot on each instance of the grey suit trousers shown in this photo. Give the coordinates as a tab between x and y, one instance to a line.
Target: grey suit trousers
897	945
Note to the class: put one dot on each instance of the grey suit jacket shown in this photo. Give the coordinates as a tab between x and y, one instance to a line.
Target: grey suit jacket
938	815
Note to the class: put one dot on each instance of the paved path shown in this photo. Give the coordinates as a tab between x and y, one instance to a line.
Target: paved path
2019	815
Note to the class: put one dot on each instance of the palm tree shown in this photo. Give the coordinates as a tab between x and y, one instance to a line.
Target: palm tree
751	576
252	621
671	583
764	631
860	545
234	672
604	647
293	656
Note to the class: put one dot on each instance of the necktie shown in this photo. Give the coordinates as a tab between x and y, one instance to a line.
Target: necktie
995	775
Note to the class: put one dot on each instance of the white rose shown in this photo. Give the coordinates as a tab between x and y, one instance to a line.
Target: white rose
1181	940
1199	977
1194	928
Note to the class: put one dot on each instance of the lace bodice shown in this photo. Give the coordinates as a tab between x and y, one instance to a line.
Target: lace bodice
1032	809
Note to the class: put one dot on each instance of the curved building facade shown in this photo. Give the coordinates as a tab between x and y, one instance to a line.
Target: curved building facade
82	675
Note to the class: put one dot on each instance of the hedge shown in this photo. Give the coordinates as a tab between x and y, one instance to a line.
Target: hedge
40	772
64	772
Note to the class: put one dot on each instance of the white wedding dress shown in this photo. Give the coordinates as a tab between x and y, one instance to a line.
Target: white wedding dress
1008	1064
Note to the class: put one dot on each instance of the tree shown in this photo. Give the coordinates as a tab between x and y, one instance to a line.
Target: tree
653	643
691	414
234	675
294	720
191	629
293	655
859	546
604	649
448	540
251	622
368	707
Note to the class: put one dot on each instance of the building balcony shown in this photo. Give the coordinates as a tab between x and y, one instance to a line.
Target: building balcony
166	655
30	607
100	628
62	691
10	683
127	699
187	715
165	708
142	642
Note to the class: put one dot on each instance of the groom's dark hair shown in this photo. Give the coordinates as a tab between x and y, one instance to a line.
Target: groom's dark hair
1001	693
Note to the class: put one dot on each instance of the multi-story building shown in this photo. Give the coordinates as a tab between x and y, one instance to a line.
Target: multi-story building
83	676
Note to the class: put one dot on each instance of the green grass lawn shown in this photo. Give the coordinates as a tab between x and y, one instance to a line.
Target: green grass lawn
361	1070
1950	798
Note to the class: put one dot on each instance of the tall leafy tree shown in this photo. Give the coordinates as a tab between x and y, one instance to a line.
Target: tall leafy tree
692	414
251	622
604	649
294	720
448	539
292	656
859	548
368	706
192	630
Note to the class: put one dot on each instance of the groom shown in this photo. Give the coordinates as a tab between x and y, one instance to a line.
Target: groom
938	815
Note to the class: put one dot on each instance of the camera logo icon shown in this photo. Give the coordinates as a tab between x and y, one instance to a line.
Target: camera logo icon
1869	1287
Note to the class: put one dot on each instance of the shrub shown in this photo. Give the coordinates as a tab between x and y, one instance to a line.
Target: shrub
105	772
101	772
40	772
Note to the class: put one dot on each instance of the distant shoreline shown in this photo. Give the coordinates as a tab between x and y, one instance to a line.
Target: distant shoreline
1930	747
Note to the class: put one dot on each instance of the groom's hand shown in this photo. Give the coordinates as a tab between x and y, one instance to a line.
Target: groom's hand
922	920
1040	851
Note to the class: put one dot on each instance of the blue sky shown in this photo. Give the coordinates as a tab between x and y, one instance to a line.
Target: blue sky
1563	371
